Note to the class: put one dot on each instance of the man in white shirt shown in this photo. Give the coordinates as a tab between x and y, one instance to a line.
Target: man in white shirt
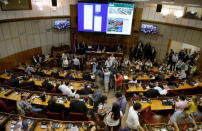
112	58
161	91
76	63
182	75
133	119
65	63
108	63
66	90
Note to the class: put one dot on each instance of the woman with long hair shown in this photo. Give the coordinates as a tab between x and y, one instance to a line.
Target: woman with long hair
113	119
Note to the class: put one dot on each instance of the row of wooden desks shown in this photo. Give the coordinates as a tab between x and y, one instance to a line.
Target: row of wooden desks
144	77
62	73
14	123
158	104
170	127
134	88
75	85
35	98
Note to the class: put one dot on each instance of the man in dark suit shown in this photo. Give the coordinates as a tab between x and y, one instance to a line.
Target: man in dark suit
77	106
13	81
47	85
55	107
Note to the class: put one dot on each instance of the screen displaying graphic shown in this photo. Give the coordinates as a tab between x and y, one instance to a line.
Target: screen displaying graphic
92	17
62	24
119	20
148	29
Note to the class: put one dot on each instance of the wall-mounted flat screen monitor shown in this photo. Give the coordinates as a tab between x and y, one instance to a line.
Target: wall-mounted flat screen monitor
92	17
148	29
62	24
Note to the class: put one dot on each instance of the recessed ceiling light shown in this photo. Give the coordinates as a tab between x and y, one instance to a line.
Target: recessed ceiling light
194	5
166	2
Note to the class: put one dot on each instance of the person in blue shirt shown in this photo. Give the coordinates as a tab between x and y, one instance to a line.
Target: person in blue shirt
121	101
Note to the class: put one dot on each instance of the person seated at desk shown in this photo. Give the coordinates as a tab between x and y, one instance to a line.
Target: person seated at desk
121	101
47	85
55	73
70	76
182	75
102	107
91	115
29	70
138	65
134	80
26	82
55	107
85	91
160	90
98	126
198	113
24	105
180	117
13	81
96	97
78	106
66	90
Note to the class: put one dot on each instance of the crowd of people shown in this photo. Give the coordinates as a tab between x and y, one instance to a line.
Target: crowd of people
109	74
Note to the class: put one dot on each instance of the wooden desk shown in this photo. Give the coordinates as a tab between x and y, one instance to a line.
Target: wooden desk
34	99
156	105
133	88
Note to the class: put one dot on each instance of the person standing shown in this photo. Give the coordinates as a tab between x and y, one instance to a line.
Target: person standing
106	79
133	119
113	119
119	80
174	61
121	101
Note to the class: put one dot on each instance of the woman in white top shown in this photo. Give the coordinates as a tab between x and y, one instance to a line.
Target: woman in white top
113	119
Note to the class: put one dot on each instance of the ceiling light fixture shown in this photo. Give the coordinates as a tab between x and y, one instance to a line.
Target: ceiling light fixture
178	13
165	11
166	2
193	5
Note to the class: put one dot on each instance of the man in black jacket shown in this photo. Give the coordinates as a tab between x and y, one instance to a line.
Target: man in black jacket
55	107
77	106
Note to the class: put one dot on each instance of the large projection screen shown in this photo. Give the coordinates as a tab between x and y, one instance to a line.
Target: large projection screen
120	17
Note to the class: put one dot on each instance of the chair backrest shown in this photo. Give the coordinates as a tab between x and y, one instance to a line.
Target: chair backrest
3	104
147	112
77	116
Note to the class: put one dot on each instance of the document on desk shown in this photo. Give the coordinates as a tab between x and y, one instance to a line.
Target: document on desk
125	77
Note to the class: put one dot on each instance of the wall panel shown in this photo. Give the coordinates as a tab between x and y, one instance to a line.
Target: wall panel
24	57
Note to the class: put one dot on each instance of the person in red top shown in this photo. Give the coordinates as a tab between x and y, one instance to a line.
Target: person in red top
119	80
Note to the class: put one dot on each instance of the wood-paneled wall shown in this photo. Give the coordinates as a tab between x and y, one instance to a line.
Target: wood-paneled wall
22	57
103	39
200	63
